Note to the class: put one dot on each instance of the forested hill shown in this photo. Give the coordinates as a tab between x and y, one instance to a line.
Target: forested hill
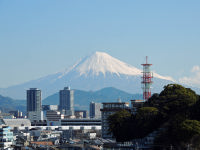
174	114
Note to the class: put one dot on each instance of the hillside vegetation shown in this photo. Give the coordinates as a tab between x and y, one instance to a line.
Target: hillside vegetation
174	112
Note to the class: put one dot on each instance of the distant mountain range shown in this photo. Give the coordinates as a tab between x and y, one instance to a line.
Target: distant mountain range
94	72
82	99
9	104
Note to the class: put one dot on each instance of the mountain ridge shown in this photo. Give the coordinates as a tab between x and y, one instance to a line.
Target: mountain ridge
9	104
82	99
93	72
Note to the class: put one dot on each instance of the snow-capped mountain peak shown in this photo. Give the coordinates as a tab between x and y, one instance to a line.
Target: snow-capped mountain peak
100	62
93	72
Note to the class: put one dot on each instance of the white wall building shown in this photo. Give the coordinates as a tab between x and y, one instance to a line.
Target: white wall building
95	110
35	115
6	137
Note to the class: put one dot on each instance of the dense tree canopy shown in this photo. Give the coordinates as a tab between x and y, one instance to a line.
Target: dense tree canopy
173	99
118	123
146	112
176	110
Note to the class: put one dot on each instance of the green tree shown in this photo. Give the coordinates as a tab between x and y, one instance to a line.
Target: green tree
188	129
146	112
146	120
180	134
173	99
175	110
118	123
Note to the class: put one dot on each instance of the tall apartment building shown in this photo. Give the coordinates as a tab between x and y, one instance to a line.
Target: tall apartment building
67	101
107	110
34	96
95	111
34	106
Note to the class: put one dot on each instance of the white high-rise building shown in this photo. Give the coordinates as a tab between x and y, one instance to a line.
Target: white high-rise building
95	111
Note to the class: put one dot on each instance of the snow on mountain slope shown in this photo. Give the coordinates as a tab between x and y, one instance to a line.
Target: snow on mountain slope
93	72
101	62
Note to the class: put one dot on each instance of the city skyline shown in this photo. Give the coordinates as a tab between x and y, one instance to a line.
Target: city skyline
40	38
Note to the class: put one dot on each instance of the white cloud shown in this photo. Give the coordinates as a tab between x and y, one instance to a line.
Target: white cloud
195	69
194	79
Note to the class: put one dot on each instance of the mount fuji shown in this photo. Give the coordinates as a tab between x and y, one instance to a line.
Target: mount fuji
93	72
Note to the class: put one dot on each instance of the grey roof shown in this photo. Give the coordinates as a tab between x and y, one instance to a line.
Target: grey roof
17	122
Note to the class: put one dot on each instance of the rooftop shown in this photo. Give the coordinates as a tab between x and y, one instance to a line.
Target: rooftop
17	122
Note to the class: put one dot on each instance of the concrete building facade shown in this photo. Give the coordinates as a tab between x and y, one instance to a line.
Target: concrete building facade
85	113
95	111
34	104
54	117
35	115
34	97
6	137
46	108
66	102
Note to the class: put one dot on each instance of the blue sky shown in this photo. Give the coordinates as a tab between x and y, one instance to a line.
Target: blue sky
38	38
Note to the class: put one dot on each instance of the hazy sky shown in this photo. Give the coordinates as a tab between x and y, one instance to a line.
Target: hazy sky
41	37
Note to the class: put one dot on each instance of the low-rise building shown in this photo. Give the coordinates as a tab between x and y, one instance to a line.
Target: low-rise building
49	107
6	116
46	108
15	122
135	104
16	113
85	113
6	137
81	122
39	123
35	115
54	118
78	115
53	115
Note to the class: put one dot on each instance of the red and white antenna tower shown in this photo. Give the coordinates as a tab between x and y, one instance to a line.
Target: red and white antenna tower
146	80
